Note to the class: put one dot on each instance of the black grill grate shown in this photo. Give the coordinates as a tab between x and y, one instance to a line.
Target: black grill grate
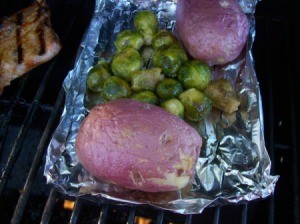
31	107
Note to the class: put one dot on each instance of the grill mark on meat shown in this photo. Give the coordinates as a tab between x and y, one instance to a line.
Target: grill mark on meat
18	37
40	30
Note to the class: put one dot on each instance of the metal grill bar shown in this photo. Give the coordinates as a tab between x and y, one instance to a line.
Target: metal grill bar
76	211
47	213
160	217
131	215
18	143
216	219
188	219
5	120
270	98
19	209
244	214
271	113
103	214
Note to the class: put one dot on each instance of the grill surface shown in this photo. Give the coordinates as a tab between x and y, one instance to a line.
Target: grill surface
31	107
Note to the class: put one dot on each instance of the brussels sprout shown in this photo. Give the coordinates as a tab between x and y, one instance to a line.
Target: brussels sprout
147	56
168	88
196	104
128	38
146	79
145	96
194	74
169	60
126	62
222	95
163	40
101	64
104	64
146	24
92	98
115	88
96	77
174	106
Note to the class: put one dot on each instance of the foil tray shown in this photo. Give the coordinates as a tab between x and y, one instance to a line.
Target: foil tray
233	166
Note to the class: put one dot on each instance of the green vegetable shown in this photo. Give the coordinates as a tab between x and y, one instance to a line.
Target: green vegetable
174	106
128	38
145	96
168	88
92	98
126	62
146	79
147	56
146	24
170	60
194	74
96	77
196	104
101	64
222	94
115	88
163	40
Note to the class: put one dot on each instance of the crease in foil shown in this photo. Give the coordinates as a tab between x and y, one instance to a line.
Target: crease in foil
233	166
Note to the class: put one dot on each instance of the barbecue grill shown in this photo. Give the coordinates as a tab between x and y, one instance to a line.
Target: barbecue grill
31	107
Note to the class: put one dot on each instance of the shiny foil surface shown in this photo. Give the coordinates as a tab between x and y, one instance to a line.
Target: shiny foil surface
233	165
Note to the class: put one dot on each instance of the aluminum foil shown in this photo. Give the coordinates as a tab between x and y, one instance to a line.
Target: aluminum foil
233	166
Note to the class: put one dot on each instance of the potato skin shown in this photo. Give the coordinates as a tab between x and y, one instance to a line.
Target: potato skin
138	146
214	31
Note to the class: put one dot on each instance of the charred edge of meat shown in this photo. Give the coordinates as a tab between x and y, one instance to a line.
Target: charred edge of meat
18	36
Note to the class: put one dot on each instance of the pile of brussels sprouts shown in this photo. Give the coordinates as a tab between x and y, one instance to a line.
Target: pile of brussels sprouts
151	66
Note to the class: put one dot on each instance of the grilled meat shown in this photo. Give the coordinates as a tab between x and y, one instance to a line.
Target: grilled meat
26	41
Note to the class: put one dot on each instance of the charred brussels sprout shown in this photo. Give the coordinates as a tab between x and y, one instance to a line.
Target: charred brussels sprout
223	95
115	88
168	88
147	56
163	40
174	106
194	74
196	104
146	79
146	24
126	62
145	96
170	60
128	38
92	98
96	77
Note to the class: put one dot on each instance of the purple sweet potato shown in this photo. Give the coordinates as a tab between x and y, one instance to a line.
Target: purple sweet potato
138	146
214	31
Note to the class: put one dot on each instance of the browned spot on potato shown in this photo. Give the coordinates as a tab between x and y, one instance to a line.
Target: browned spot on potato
136	177
179	172
165	138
